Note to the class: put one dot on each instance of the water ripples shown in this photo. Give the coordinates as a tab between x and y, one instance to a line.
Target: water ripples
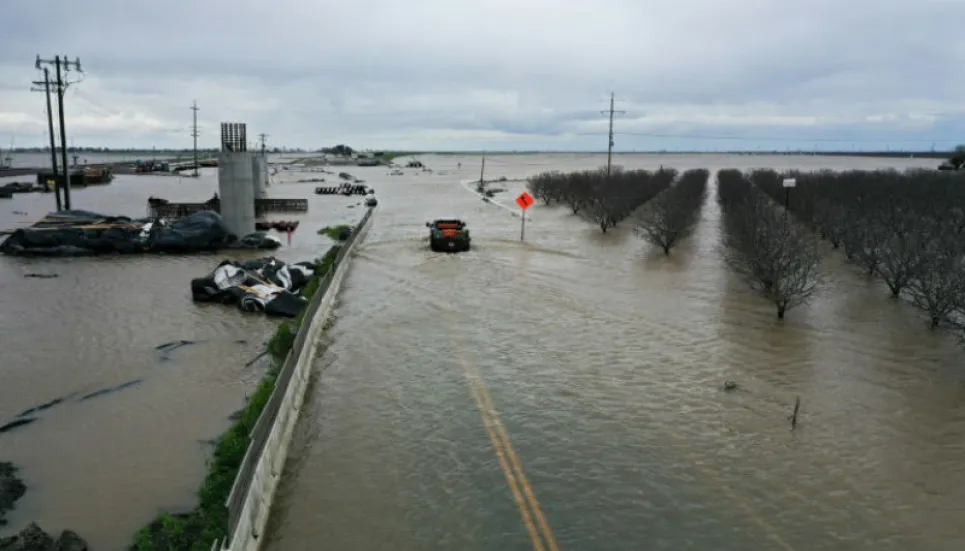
605	362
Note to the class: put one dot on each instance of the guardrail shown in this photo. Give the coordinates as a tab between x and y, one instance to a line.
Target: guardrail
466	184
254	487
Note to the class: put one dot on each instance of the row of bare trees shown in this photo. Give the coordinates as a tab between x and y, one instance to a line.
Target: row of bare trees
671	216
906	228
773	253
602	199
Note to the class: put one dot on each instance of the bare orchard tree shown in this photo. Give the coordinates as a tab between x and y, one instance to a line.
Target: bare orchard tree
672	214
543	187
938	286
600	199
612	199
575	189
773	254
902	257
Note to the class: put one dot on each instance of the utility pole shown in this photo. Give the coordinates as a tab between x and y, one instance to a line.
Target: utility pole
262	137
62	67
194	134
264	157
482	171
50	129
609	151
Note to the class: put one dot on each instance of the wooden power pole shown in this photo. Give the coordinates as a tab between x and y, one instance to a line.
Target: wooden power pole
194	134
47	84
609	150
62	66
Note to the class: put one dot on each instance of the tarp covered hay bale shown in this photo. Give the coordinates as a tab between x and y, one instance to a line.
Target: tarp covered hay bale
200	231
265	285
77	232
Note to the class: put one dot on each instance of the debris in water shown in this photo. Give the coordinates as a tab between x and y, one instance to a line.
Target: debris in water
111	389
251	362
173	345
11	489
17	423
33	538
42	276
47	405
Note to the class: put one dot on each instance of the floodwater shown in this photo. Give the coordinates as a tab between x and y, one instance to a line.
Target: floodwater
103	467
587	370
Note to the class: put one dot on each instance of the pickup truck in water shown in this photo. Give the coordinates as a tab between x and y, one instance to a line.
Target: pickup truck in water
448	235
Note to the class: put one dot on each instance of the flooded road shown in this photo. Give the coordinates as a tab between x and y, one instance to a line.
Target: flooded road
104	466
565	393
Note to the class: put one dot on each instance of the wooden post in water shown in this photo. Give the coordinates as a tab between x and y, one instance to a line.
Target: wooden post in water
793	416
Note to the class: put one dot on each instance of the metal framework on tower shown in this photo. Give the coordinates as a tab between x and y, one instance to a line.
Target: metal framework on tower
234	136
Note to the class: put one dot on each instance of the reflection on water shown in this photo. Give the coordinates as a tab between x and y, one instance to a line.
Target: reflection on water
605	362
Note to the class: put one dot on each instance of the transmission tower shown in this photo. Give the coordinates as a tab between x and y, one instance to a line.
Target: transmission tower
62	66
609	150
194	134
47	85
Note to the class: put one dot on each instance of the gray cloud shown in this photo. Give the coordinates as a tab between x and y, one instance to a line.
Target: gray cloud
494	73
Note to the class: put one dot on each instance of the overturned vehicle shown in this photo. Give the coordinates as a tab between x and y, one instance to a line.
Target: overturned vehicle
80	233
264	285
448	235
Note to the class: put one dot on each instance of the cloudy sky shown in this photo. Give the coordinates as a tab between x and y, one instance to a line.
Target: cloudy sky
495	74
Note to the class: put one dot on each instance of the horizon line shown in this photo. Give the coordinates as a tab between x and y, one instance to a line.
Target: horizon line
402	152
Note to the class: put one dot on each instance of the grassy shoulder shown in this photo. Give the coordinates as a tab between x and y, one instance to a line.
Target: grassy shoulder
337	233
198	529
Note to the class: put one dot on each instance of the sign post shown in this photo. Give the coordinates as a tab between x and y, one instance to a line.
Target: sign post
525	200
788	184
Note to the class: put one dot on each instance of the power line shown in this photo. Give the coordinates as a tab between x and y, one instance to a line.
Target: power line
108	112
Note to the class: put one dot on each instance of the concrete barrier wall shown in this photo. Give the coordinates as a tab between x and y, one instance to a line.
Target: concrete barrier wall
251	497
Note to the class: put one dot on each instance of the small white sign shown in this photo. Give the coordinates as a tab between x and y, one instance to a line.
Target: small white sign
790	182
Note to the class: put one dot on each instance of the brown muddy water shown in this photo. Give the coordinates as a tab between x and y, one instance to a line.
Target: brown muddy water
594	367
104	466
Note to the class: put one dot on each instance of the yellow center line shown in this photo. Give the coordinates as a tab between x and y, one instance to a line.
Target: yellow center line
527	489
507	471
508	460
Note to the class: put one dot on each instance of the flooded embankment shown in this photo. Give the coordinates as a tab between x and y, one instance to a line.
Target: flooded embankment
129	416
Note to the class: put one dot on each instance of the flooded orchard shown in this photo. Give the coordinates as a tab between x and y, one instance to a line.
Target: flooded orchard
566	392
